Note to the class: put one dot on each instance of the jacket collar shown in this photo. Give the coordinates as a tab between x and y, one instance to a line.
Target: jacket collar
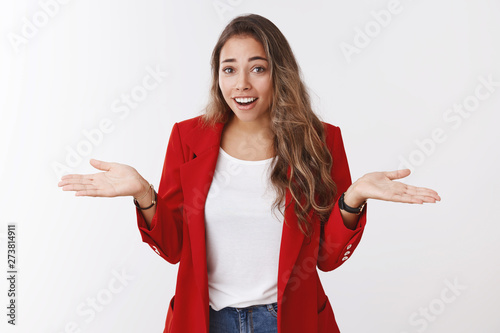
201	139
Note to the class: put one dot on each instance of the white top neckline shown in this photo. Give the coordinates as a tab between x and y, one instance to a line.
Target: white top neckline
244	161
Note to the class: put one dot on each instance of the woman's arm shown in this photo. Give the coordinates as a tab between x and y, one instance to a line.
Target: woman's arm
341	234
160	226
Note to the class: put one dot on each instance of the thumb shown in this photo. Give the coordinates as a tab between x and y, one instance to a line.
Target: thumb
101	165
398	173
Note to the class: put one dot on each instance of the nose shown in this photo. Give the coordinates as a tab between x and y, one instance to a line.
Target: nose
242	83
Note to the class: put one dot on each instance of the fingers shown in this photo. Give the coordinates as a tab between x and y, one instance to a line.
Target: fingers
401	192
398	173
101	165
413	199
78	187
76	179
409	193
82	184
85	188
89	193
422	191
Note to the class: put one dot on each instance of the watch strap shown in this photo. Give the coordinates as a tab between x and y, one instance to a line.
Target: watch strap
344	206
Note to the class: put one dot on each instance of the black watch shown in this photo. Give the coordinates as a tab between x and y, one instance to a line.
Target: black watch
343	206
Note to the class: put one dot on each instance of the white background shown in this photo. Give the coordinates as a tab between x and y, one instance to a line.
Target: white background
65	77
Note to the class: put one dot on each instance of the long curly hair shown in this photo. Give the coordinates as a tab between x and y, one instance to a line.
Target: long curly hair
298	134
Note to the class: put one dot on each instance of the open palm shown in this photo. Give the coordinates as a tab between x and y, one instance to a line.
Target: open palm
116	180
381	186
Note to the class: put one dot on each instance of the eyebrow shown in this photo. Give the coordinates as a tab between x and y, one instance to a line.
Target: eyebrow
249	59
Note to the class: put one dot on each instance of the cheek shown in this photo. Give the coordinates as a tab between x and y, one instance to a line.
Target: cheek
224	87
266	89
265	85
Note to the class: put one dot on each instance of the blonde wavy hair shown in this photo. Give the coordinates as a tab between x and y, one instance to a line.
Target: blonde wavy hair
299	135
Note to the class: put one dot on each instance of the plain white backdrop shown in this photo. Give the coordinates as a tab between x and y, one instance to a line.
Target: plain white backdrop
410	83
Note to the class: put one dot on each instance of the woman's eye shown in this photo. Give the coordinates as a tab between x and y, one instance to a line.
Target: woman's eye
258	69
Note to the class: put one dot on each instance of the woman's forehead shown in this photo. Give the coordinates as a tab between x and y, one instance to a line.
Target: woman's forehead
240	47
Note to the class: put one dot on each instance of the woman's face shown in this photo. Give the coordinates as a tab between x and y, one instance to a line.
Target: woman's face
244	73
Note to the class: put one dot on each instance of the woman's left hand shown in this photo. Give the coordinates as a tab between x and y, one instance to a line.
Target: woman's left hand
381	186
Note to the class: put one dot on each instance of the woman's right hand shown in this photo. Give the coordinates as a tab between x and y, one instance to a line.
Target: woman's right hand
117	180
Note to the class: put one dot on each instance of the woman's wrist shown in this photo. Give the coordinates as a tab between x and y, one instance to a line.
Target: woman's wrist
144	189
352	197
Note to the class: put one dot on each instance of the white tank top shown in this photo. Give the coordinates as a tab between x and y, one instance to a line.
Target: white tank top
243	236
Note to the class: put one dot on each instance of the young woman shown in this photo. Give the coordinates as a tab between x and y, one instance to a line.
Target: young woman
258	150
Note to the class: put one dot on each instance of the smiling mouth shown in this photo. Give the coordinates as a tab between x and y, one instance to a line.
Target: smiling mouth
245	101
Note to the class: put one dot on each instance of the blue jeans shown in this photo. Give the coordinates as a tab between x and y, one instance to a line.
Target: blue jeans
253	319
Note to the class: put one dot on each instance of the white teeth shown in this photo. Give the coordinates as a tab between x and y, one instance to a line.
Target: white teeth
245	100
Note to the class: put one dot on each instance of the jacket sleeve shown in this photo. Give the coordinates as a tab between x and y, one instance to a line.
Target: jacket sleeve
165	234
337	242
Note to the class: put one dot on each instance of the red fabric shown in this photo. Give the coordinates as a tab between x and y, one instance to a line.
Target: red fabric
170	315
177	234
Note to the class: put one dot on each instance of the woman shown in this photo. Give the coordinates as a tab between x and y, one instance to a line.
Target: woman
258	148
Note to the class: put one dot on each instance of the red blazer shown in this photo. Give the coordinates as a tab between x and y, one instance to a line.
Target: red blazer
178	234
